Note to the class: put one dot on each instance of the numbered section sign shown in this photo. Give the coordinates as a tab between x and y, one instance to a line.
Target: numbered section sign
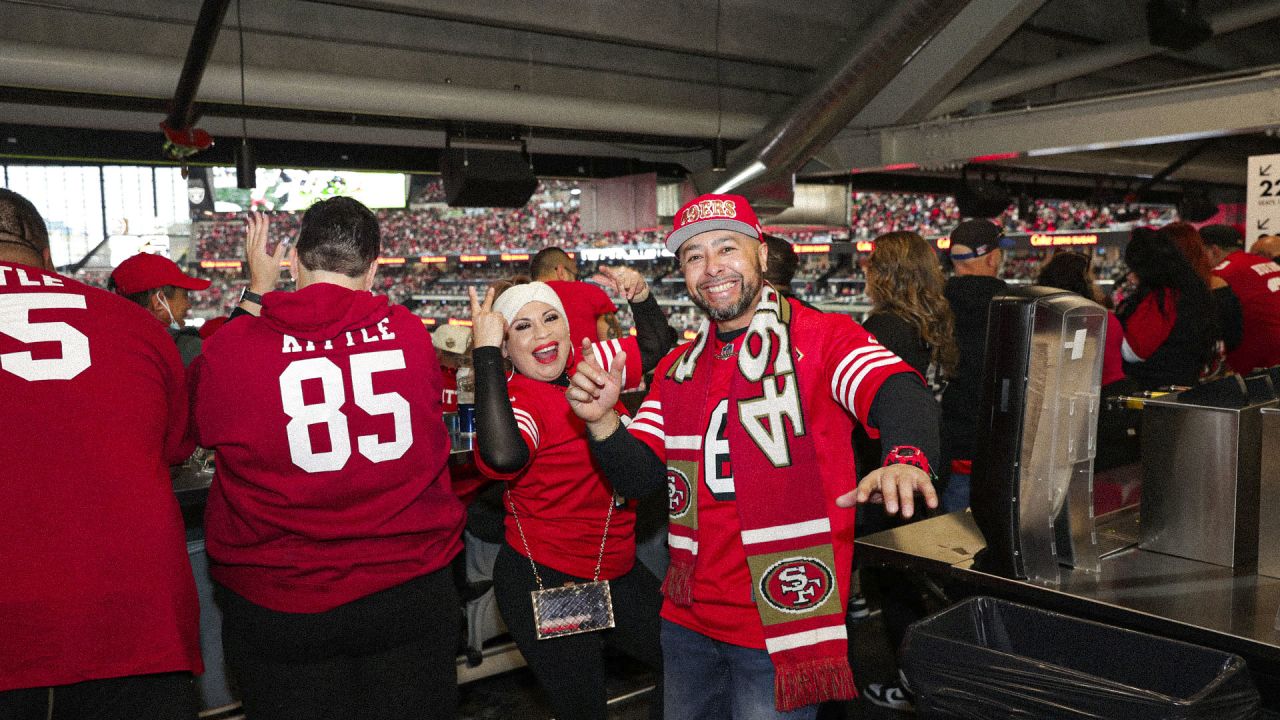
1262	211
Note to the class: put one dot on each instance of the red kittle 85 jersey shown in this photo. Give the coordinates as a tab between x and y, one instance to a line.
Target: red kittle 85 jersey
332	471
94	577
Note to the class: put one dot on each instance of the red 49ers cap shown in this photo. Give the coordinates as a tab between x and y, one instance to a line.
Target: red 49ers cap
145	271
714	212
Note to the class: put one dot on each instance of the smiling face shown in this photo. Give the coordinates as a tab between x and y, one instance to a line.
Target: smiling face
538	341
722	274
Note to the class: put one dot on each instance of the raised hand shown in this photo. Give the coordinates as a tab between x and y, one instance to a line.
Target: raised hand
593	391
264	267
625	281
488	328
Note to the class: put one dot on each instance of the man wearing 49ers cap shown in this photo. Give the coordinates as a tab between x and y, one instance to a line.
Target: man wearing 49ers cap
752	420
98	613
331	523
160	287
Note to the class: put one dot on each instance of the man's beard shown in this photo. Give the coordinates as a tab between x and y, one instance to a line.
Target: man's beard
750	289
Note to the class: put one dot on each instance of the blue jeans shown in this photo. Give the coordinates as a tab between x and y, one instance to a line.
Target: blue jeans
710	679
956	496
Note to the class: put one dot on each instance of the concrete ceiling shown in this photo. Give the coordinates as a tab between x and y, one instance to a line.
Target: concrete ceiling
594	78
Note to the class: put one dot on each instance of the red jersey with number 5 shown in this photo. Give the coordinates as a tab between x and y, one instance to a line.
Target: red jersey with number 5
1256	281
332	477
94	577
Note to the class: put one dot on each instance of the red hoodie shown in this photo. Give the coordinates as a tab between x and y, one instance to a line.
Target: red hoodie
332	475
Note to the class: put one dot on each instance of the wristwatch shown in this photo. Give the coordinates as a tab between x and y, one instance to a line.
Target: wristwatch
253	297
908	455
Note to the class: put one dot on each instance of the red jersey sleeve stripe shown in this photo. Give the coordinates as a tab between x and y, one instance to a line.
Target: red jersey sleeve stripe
866	384
845	370
851	368
527	424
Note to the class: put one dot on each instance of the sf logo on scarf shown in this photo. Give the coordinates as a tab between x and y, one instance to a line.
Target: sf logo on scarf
796	584
679	493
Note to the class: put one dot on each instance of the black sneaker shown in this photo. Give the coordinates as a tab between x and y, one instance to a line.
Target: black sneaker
890	695
858	610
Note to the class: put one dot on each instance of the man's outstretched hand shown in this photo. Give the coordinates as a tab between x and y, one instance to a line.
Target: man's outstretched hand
895	487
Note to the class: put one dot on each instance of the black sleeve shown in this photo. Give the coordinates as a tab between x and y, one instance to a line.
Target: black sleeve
905	413
501	446
655	336
237	312
631	466
1230	317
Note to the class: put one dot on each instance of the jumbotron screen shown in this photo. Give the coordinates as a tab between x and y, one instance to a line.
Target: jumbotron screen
287	189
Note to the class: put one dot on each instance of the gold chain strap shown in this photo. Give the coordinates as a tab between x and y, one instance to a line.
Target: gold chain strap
529	553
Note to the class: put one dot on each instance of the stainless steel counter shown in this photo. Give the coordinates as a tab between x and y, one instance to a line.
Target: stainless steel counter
1165	595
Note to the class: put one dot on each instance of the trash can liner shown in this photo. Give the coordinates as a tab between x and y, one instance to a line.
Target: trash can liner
986	658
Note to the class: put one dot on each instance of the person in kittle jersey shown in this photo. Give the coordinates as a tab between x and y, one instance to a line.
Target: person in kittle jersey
330	523
97	603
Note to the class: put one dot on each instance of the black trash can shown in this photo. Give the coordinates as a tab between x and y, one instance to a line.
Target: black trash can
986	658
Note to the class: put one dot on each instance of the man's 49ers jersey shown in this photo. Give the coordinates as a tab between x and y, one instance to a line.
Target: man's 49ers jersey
1256	282
94	577
840	368
332	480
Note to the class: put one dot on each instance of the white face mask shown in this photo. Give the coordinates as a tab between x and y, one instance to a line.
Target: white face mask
164	302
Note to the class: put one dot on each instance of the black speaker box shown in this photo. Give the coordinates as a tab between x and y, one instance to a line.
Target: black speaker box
487	178
982	199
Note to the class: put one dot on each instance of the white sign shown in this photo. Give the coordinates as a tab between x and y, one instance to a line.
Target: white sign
1262	211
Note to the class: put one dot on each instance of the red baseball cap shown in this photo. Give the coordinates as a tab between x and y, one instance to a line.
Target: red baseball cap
714	212
145	271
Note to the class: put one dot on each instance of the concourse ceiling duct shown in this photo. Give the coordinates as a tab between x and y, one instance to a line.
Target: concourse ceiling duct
787	144
81	70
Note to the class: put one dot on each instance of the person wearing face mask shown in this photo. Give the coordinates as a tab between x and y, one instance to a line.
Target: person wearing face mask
564	521
159	286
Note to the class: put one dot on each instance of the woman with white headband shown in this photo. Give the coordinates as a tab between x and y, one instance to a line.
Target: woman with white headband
565	524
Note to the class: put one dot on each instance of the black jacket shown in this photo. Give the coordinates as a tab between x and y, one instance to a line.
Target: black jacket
970	298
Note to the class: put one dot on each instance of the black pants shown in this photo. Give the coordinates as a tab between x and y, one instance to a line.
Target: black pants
571	669
390	655
167	696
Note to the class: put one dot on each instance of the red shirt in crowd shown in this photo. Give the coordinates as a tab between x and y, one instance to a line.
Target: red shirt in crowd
1256	282
1149	326
94	577
332	480
841	368
583	304
561	497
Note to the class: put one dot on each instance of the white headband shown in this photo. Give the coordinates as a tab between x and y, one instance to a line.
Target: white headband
517	296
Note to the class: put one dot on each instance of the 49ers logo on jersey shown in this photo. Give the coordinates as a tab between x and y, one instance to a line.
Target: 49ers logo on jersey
679	493
796	584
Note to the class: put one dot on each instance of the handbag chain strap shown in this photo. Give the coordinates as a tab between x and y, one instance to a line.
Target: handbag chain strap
529	553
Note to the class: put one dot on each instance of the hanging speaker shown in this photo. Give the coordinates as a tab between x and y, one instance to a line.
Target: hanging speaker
982	198
1196	207
1176	24
487	178
246	168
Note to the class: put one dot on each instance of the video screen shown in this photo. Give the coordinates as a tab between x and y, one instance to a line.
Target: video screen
288	189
